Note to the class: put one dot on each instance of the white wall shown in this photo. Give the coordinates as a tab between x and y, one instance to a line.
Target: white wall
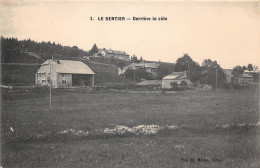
166	83
46	69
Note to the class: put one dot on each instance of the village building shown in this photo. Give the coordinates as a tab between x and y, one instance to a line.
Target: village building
64	74
175	77
149	67
245	78
108	53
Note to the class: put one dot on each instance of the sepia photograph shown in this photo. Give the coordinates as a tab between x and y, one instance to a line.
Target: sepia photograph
133	84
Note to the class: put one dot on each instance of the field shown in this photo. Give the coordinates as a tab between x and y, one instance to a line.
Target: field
24	75
190	129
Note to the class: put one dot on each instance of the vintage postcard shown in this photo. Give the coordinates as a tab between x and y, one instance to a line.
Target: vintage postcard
130	83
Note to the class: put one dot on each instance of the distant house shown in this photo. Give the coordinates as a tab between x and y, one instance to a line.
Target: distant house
245	79
108	53
175	77
64	73
149	67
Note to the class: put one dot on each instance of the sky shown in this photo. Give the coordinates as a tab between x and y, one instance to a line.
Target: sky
228	32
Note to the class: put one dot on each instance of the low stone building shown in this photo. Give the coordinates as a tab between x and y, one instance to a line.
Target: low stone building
175	77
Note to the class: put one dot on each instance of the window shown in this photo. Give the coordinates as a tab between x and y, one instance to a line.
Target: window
63	75
39	74
63	82
43	74
44	82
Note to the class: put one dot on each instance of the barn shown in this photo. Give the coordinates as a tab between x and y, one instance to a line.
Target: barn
64	74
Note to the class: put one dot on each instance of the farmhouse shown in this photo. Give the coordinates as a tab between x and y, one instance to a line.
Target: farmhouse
149	67
64	73
175	77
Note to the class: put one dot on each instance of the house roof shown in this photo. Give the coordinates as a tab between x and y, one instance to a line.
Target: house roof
69	66
176	75
150	82
247	71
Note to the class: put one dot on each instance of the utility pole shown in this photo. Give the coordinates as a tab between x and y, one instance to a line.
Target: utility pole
216	79
50	83
134	78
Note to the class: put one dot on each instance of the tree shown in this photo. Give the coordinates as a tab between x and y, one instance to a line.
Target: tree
237	71
183	63
194	72
174	85
141	59
208	63
250	67
93	50
244	68
75	51
121	65
139	73
184	84
211	71
129	73
135	59
162	72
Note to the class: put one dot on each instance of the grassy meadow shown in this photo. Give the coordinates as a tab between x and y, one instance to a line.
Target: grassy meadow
31	132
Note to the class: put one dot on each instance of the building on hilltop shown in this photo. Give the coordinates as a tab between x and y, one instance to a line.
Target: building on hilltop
64	74
108	53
